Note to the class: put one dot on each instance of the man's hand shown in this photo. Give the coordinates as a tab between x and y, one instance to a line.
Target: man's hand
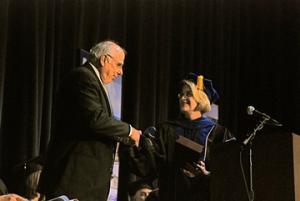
135	136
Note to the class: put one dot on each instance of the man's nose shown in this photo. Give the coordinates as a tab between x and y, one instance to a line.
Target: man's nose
120	72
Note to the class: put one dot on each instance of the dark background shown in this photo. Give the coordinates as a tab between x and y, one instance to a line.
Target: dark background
250	49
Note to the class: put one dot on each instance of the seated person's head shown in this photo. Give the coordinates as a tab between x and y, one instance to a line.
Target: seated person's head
142	194
139	190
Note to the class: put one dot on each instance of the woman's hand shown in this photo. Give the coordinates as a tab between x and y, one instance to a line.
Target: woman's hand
202	168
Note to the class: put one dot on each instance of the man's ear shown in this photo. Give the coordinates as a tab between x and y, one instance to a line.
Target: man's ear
102	60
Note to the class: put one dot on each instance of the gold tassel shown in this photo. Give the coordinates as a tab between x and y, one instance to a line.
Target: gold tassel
200	85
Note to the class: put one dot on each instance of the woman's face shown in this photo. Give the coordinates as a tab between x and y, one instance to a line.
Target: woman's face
187	102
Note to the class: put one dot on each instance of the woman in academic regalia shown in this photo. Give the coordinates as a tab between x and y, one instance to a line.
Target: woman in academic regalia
180	177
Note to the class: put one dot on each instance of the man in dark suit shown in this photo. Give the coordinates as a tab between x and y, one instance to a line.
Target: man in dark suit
81	151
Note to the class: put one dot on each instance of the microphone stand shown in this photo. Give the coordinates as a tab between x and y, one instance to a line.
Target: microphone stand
248	141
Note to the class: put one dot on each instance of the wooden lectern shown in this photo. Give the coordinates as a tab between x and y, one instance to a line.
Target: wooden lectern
276	169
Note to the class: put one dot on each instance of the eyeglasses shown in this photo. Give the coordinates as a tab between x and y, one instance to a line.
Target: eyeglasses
186	94
119	64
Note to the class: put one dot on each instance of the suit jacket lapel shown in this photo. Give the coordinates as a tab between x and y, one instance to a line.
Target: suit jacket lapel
101	89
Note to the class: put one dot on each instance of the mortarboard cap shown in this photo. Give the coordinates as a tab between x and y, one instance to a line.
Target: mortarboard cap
209	90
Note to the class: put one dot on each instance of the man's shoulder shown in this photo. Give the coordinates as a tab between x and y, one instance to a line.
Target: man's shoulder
82	69
82	72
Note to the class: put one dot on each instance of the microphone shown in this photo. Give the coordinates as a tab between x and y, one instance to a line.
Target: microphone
252	111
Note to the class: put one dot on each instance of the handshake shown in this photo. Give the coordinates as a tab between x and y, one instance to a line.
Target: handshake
136	137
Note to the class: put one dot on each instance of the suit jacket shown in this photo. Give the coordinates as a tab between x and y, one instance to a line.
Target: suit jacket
81	149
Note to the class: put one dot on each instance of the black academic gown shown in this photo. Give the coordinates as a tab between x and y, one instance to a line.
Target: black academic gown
162	159
81	151
174	185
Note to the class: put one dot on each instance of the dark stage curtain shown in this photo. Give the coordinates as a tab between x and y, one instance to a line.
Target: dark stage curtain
249	48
